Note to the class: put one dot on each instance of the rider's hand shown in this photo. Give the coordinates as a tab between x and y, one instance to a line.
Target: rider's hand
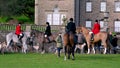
45	35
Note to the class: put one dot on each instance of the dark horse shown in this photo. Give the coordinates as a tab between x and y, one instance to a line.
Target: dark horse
69	45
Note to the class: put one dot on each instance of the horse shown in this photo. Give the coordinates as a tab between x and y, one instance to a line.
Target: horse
12	37
101	36
42	40
69	45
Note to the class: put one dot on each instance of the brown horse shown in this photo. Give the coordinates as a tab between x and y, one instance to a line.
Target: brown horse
101	36
69	46
42	40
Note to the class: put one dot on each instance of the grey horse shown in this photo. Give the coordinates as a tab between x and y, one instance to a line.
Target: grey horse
13	37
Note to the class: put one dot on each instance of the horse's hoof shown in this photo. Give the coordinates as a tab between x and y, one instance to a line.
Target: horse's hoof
58	56
65	58
87	53
73	58
68	57
42	52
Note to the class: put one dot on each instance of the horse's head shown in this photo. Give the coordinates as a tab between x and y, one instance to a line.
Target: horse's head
83	30
79	29
34	33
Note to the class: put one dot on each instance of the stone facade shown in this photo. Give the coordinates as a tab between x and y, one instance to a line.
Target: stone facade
44	10
97	14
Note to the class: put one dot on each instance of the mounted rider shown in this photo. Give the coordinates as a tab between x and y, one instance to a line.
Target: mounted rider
48	31
95	30
18	31
71	27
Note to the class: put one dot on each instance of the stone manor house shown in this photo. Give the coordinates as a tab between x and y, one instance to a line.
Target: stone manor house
84	12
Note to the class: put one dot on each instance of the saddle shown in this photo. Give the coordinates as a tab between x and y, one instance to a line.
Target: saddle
75	37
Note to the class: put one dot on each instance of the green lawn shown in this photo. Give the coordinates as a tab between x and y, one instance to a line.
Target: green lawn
35	60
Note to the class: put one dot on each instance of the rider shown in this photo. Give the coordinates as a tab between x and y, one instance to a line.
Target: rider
95	30
18	31
71	27
48	31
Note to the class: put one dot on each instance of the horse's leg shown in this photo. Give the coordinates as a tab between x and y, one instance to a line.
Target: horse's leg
76	47
82	47
43	50
93	48
24	47
73	56
65	48
88	44
105	47
69	51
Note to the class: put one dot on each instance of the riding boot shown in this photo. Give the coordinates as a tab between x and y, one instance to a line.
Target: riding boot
20	37
48	39
92	37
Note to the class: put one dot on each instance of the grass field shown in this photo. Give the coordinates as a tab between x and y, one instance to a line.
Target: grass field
35	60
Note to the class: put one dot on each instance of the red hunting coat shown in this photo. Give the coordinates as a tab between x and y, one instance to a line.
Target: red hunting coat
18	30
96	28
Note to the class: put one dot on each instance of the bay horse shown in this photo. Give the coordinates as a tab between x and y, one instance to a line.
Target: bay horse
69	45
101	36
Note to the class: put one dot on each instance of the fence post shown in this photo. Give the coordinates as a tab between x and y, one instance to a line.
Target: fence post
28	28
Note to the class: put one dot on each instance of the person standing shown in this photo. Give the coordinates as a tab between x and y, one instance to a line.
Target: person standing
48	31
59	43
114	43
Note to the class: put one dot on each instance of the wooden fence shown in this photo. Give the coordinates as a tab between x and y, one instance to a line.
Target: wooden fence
11	27
54	28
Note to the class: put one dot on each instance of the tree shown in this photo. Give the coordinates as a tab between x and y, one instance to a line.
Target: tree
17	7
26	7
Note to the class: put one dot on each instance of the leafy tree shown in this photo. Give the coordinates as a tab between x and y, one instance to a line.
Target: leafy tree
11	8
26	7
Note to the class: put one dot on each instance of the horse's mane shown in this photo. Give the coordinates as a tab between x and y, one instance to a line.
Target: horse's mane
86	30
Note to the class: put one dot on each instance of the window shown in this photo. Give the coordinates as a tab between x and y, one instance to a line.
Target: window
103	6
55	18
88	6
49	18
117	26
117	6
101	24
88	24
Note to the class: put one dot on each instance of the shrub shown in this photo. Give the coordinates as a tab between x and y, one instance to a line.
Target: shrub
23	19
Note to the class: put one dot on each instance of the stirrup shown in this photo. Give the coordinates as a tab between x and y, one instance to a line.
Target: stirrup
91	39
